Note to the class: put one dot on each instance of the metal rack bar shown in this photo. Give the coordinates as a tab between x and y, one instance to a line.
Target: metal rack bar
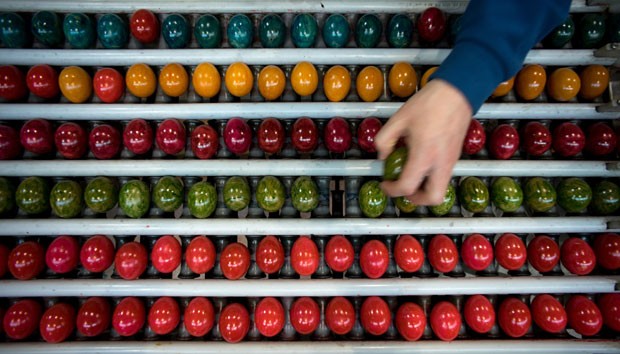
284	56
346	226
214	168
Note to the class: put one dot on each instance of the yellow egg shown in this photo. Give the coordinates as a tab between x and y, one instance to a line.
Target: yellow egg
427	76
173	79
271	82
206	80
140	80
402	80
75	84
304	78
239	79
337	83
369	84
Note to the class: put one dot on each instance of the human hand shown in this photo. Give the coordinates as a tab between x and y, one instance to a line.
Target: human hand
433	123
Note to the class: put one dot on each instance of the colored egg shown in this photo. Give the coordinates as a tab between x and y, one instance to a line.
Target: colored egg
540	195
270	136
207	31
272	31
176	31
594	81
473	194
206	80
530	81
304	30
270	194
79	31
271	82
368	31
506	194
337	83
536	138
240	31
574	195
140	80
134	198
591	30
202	199
32	195
372	200
336	31
369	84
606	197
427	76
454	27
42	80
366	132
112	31
12	85
393	164
7	198
101	194
431	25
560	35
167	193
236	193
563	84
173	79
13	32
402	80
75	84
239	79
304	78
144	26
613	28
404	205
447	203
504	88
304	194
108	85
568	139
400	31
47	28
66	199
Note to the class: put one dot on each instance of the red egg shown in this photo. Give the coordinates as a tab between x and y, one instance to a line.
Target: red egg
375	315
200	255
304	256
270	255
4	261
130	260
129	316
97	254
442	254
10	146
62	254
543	253
504	142
337	135
305	315
408	253
548	313
235	260
607	250
27	260
374	259
577	256
234	323
340	315
269	317
305	135
610	303
479	314
238	136
12	86
199	317
536	139
514	317
42	81
21	319
583	315
164	315
37	136
166	254
270	136
510	252
339	253
410	321
57	323
445	321
170	136
568	139
475	138
144	26
93	317
601	139
104	141
366	132
477	252
71	141
431	25
109	85
204	141
138	136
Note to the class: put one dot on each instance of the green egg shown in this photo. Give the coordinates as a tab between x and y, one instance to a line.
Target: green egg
574	195
506	194
32	195
606	198
473	194
7	195
372	200
270	194
66	199
304	194
447	204
202	199
101	194
134	198
168	194
393	165
540	195
236	193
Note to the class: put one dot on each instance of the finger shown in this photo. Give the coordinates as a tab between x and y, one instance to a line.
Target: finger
417	166
433	190
388	136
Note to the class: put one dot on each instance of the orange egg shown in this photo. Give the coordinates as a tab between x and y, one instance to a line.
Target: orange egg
504	88
271	82
206	80
563	84
369	84
594	81
239	79
75	84
173	79
140	80
337	83
427	76
304	78
402	80
531	81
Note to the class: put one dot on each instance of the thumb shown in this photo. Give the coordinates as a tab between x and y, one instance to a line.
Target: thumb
388	137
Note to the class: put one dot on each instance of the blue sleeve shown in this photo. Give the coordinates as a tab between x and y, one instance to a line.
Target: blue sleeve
493	40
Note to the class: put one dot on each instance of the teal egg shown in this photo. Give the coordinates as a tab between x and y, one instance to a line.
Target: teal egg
13	33
240	31
79	31
176	31
614	27
336	31
560	35
591	31
112	31
272	31
304	31
368	31
207	31
47	28
400	31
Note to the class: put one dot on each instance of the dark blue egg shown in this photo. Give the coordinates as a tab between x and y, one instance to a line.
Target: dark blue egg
176	31
368	31
13	33
272	31
240	31
112	31
304	30
79	30
208	32
400	31
47	28
336	31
